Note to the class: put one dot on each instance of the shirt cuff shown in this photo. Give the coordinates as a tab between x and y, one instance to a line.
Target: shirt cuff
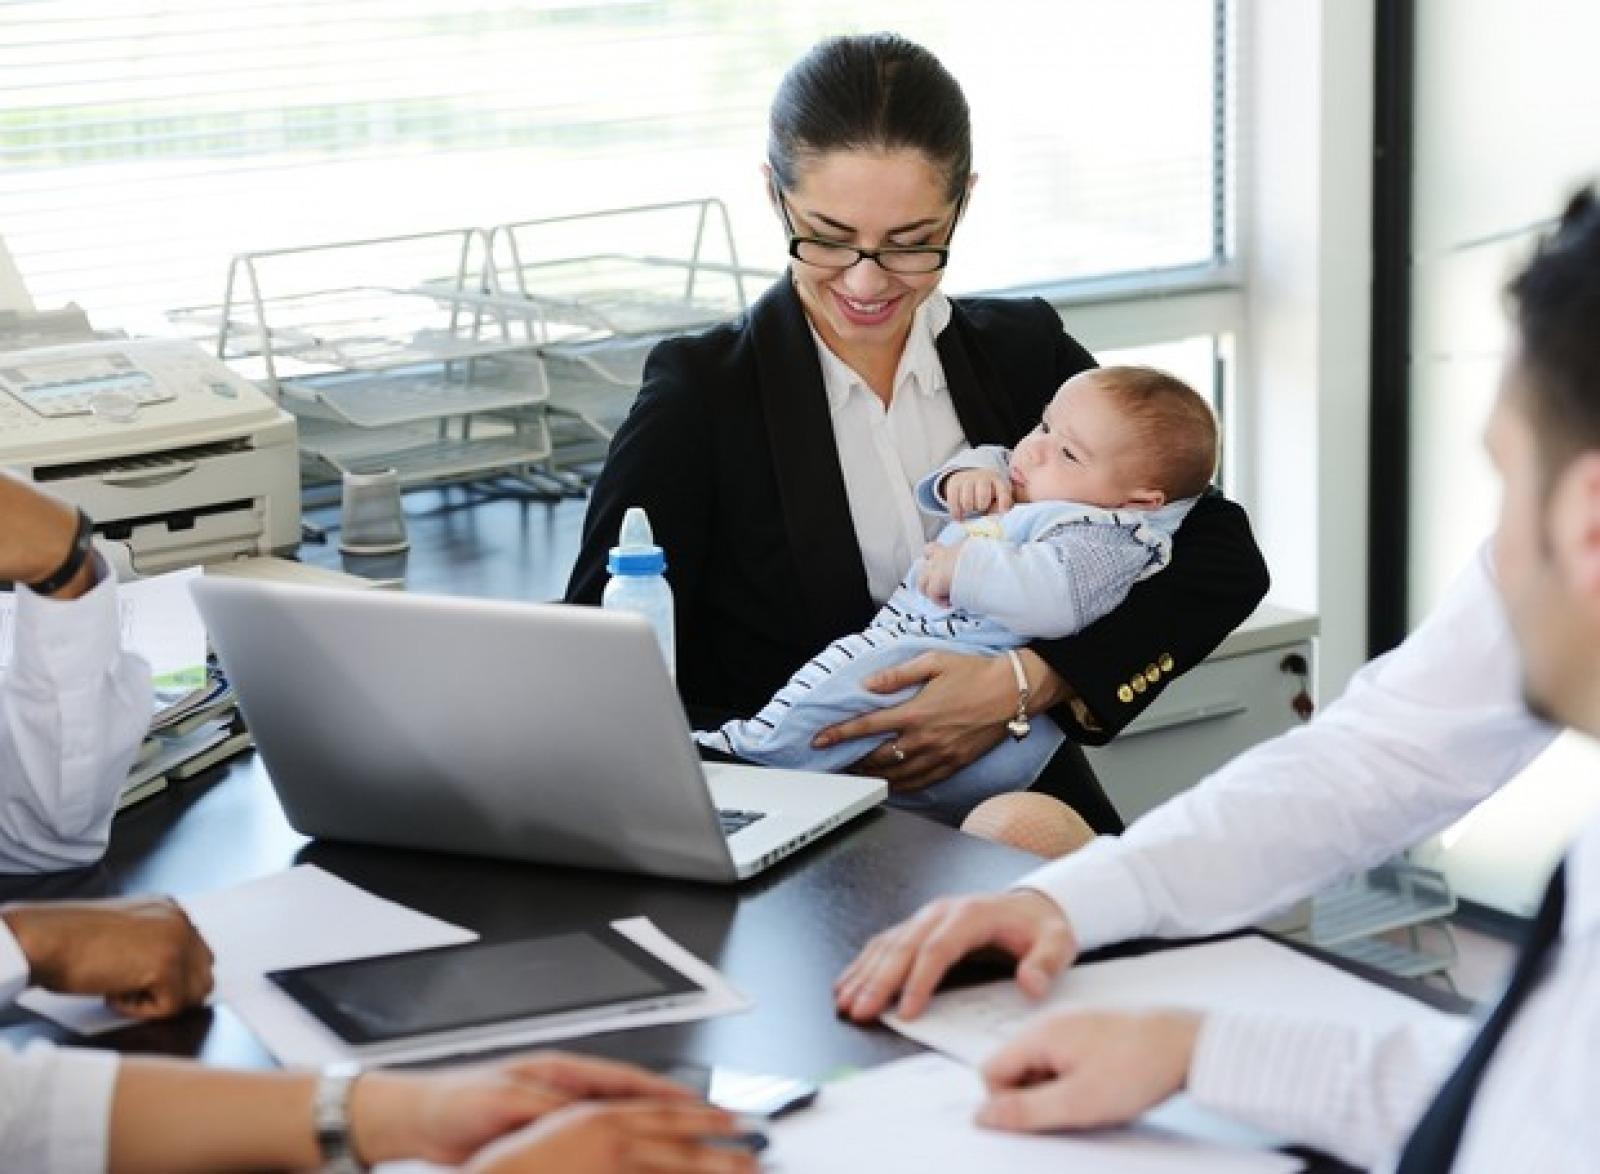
14	968
63	640
1097	892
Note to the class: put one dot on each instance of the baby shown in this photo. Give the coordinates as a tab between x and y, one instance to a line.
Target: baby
1045	539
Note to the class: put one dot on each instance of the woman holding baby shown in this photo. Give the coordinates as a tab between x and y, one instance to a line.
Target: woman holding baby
776	455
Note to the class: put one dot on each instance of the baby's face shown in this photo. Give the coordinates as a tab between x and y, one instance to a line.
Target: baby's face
1083	450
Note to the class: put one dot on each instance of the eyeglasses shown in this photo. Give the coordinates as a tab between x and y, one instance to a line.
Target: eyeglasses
903	259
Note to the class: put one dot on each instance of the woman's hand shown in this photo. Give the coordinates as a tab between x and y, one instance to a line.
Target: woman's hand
958	715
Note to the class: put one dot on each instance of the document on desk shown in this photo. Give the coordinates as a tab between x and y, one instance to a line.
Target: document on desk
1249	972
299	917
915	1116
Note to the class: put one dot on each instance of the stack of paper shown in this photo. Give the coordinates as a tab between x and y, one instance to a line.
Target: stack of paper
196	722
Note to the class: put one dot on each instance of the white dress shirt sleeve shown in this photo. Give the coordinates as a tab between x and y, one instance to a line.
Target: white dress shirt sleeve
1419	737
55	1103
1345	1089
73	709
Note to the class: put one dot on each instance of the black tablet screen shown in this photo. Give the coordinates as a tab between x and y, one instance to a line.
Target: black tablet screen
402	995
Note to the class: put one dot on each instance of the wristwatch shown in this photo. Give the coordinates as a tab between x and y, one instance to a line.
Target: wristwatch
330	1109
82	547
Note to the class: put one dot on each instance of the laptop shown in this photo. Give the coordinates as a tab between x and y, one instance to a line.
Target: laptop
537	732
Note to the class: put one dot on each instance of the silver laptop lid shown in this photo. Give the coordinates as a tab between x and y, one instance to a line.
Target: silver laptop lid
531	731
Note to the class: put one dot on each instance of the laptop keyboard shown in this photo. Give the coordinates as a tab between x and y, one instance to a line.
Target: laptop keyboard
734	820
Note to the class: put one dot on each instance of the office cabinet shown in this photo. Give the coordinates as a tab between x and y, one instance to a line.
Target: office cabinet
1244	693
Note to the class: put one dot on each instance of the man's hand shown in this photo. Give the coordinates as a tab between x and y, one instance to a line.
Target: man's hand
142	954
939	570
1088	1071
446	1117
976	491
36	533
636	1137
911	958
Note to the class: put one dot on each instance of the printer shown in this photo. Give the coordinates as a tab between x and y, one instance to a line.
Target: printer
177	459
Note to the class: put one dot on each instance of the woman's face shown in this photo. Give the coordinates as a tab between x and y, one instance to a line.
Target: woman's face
871	199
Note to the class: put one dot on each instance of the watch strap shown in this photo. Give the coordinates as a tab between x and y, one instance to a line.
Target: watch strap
77	555
331	1119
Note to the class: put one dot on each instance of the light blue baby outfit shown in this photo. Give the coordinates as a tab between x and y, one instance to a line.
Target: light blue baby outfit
1040	570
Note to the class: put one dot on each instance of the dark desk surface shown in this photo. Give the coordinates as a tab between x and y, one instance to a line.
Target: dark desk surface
780	937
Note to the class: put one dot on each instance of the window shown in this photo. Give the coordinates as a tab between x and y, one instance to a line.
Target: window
143	142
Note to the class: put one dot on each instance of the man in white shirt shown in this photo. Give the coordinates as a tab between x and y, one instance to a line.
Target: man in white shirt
73	705
1420	736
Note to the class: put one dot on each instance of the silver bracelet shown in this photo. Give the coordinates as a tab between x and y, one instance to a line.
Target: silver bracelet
1018	726
330	1113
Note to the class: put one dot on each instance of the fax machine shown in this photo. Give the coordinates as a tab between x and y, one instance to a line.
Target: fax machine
175	457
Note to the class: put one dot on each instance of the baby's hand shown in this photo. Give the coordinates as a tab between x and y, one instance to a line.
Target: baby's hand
976	491
939	571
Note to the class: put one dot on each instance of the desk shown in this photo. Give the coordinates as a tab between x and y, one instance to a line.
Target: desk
781	937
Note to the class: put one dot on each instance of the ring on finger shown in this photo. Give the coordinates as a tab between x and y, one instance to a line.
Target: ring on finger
899	754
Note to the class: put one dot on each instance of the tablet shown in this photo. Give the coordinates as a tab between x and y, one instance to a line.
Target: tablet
426	992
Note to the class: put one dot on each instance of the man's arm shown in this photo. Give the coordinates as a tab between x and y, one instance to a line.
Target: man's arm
73	705
1419	737
1346	1089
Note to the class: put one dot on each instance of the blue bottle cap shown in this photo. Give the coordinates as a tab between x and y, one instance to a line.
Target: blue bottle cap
636	552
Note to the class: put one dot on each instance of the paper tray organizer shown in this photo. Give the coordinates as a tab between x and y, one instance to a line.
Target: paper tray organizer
468	352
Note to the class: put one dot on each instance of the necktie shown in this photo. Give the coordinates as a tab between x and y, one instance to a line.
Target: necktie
1433	1143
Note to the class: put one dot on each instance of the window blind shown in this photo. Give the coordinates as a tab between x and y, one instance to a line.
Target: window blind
143	142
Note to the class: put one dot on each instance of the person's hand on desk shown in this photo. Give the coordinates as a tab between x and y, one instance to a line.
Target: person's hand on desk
957	715
626	1137
909	960
543	1112
142	954
1081	1070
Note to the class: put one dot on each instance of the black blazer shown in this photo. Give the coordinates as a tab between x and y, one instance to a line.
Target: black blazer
730	449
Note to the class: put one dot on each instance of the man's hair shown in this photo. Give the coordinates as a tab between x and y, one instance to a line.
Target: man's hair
1555	303
1172	422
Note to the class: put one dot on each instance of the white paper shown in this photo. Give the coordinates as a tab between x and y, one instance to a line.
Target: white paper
915	1116
1245	973
295	1037
300	917
159	622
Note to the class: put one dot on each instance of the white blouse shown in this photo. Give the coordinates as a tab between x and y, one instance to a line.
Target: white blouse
884	452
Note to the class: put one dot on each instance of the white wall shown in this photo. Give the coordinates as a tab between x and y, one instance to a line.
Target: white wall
1305	217
1507	124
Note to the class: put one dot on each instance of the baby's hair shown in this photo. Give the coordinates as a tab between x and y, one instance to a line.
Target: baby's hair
1173	423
